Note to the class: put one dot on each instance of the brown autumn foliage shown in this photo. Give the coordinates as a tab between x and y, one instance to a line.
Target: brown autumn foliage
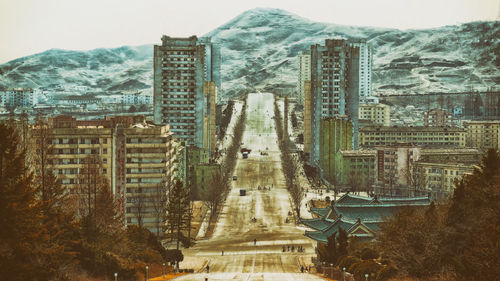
42	239
456	241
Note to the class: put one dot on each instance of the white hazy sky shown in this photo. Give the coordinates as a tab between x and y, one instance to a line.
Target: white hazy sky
31	26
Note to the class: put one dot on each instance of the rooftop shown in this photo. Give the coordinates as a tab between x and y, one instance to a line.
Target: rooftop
410	129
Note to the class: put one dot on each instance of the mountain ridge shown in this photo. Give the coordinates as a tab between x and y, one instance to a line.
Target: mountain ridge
259	47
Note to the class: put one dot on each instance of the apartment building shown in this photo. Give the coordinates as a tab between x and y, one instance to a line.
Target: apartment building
334	90
442	137
439	178
483	134
137	160
376	113
469	156
186	79
365	68
18	97
438	118
394	163
304	59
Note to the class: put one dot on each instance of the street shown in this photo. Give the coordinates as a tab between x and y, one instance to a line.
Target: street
235	231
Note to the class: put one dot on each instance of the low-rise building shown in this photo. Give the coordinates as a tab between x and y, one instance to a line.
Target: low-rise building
483	134
358	169
377	113
439	178
442	137
394	163
470	156
359	216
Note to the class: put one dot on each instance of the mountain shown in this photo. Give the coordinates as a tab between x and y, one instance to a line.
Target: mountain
259	49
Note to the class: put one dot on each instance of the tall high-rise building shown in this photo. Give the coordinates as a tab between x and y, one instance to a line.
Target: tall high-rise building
365	68
334	90
304	75
186	78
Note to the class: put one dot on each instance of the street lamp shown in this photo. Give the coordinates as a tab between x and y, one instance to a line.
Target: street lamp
343	269
331	270
366	276
116	276
163	270
147	267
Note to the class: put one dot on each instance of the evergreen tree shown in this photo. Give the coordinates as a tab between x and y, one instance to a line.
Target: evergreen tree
343	243
19	213
178	210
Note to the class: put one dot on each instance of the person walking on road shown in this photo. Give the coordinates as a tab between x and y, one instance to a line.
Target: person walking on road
255	241
208	268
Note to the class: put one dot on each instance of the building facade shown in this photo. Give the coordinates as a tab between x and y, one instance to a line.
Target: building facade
439	178
365	68
334	89
358	169
336	135
18	97
438	118
439	137
377	113
182	97
483	134
137	162
394	164
304	75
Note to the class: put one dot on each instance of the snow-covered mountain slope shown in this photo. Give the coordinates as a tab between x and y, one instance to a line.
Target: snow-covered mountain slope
259	49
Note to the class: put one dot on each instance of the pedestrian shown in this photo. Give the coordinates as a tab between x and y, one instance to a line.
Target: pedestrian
255	241
208	268
288	248
284	248
302	268
223	252
293	248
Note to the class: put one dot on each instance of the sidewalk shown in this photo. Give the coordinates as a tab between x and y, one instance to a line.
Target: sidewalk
167	276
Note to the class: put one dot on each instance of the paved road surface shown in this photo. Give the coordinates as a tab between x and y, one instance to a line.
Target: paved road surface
235	232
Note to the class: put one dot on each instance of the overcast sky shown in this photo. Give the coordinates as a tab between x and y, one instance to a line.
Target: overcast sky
32	26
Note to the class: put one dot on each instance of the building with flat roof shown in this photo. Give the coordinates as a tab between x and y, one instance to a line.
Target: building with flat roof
358	169
439	178
334	90
377	113
304	74
427	137
186	80
335	136
482	134
137	160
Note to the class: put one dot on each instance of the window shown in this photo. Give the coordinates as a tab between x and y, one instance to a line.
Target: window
105	160
105	151
129	220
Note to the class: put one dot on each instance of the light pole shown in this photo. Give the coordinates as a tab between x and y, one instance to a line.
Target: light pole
116	276
343	269
163	270
331	270
366	276
147	267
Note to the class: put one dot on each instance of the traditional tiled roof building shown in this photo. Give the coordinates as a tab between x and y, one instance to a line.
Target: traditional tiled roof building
359	216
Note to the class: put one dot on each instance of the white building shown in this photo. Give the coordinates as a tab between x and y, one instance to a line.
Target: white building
18	97
365	68
304	74
377	113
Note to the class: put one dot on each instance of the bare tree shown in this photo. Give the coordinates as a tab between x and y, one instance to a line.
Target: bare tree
215	193
158	201
354	181
139	203
417	181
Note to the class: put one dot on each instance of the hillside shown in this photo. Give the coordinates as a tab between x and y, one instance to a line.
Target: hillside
259	49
